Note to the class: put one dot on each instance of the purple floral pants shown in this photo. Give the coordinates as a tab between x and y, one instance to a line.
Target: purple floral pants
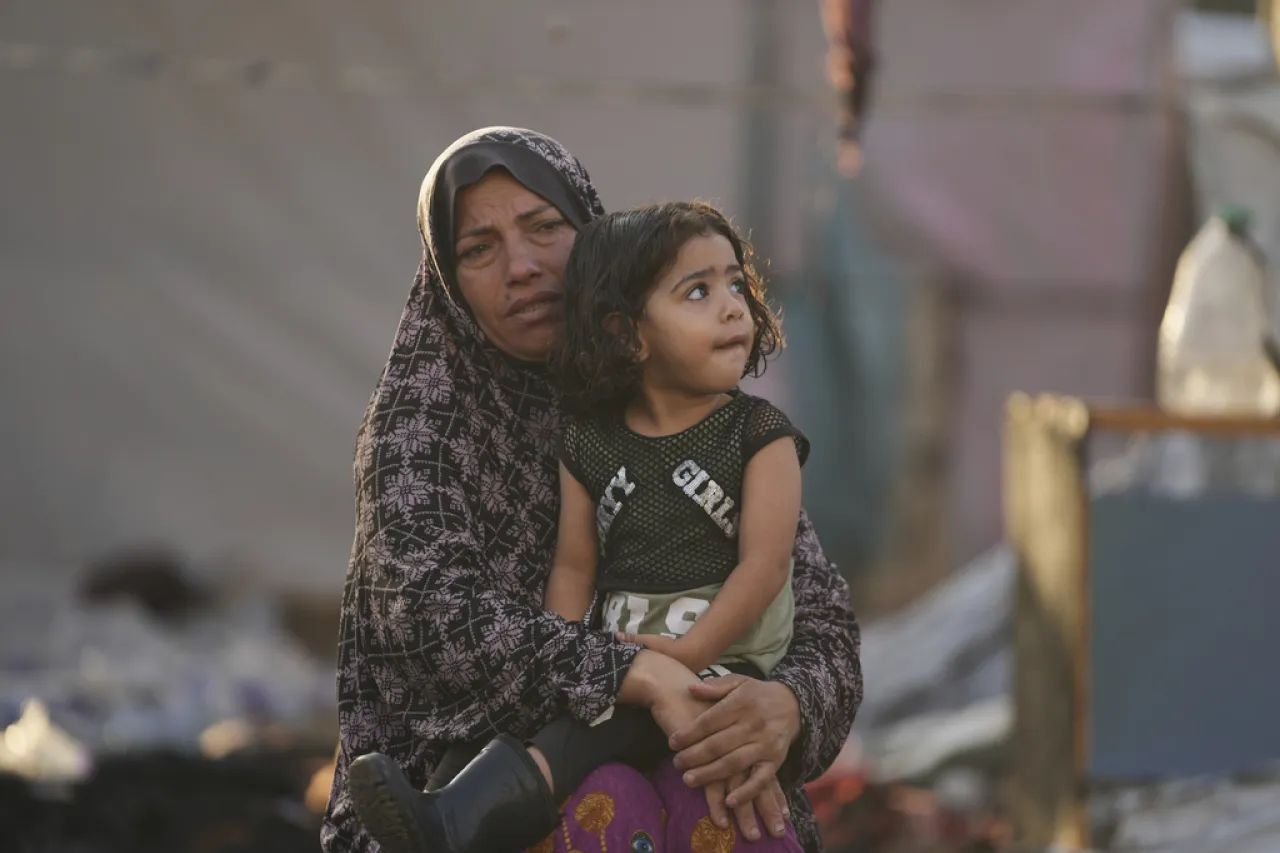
619	810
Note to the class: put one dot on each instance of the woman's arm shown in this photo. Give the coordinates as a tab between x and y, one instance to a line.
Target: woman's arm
445	635
573	571
766	535
822	666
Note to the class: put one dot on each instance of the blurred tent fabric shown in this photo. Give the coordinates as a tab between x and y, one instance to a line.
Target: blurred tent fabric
208	236
845	321
207	233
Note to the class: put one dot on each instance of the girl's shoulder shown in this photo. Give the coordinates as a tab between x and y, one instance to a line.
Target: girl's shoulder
757	409
587	433
764	423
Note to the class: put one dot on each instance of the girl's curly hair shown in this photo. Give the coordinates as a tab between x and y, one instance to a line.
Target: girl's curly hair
615	264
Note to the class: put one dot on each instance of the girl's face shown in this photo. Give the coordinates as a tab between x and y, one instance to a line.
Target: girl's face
696	332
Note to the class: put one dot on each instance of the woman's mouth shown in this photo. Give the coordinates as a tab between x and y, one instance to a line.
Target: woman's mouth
536	308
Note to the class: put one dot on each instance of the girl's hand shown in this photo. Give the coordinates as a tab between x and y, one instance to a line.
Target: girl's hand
663	685
657	642
677	649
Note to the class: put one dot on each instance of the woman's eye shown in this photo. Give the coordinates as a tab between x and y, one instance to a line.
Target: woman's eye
473	252
550	225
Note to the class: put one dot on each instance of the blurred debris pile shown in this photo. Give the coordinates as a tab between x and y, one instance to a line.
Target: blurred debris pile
923	769
144	707
133	655
1191	816
163	802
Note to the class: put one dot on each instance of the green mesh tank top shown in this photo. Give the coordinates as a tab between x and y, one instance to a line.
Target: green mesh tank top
667	507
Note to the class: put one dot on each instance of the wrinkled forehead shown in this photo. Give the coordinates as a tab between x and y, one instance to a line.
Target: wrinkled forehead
493	203
468	166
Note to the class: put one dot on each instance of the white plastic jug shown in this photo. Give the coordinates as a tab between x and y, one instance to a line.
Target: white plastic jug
1211	358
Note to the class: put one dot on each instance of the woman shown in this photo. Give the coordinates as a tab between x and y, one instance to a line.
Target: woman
443	640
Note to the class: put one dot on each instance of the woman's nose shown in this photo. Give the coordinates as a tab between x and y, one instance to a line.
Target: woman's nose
522	262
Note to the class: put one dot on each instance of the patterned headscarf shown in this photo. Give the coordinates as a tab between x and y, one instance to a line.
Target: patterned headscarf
454	421
438	330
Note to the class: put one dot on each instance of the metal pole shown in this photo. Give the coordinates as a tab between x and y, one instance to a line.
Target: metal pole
760	137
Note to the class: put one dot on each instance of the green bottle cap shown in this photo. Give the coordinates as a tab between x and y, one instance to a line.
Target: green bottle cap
1236	218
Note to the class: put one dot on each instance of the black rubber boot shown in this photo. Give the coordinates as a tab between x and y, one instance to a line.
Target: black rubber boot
499	803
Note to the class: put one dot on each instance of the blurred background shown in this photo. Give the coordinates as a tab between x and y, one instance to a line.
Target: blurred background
208	234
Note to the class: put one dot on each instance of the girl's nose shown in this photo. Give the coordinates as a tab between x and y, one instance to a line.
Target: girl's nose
734	307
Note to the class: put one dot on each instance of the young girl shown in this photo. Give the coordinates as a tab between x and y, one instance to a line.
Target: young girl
679	494
680	497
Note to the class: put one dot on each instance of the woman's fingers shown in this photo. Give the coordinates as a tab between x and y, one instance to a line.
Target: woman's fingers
745	813
715	689
715	804
762	715
709	749
739	760
772	807
720	716
780	797
749	786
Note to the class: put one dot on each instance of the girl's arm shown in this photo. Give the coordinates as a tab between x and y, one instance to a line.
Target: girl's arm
653	681
573	571
766	535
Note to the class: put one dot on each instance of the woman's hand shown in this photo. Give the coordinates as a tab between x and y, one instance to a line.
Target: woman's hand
683	707
770	804
748	730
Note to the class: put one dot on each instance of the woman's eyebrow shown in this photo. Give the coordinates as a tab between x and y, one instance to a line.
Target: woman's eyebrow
535	212
480	230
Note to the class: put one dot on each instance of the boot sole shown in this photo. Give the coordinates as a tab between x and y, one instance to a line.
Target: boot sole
384	801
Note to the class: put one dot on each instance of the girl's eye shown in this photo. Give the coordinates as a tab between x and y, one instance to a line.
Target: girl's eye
698	291
738	286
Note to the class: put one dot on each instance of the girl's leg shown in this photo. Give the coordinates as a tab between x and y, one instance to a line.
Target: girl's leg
689	825
573	750
499	799
614	810
455	759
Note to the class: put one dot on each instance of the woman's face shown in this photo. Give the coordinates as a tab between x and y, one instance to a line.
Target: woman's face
511	247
